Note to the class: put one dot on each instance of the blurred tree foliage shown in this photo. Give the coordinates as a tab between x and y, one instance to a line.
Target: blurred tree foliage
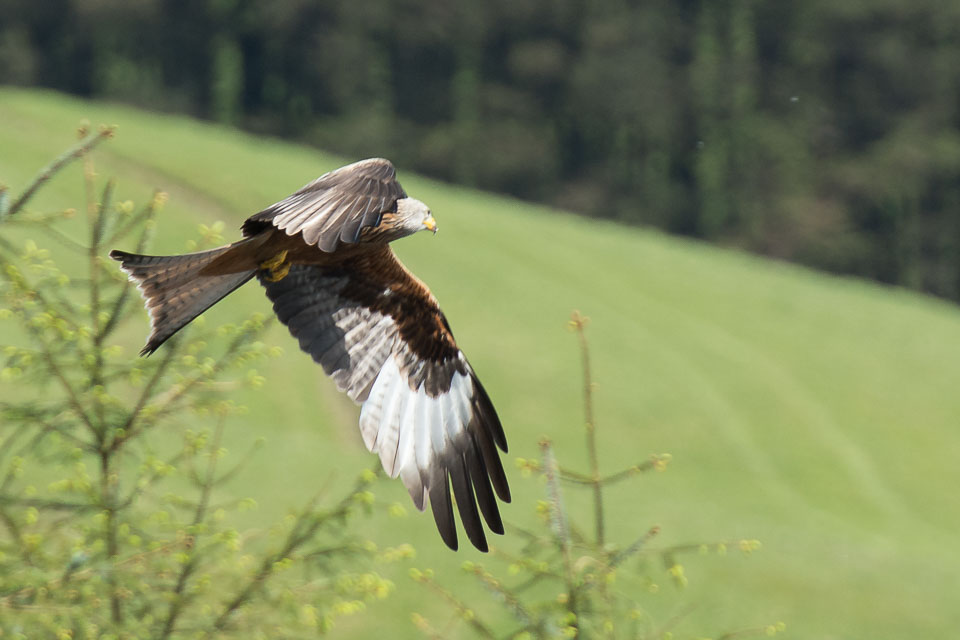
820	132
117	520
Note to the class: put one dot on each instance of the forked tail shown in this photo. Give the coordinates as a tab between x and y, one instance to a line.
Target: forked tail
173	289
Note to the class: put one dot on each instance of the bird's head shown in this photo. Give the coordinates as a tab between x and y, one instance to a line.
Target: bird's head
413	216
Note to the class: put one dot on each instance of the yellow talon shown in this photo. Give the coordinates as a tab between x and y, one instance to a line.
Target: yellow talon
275	261
279	273
277	266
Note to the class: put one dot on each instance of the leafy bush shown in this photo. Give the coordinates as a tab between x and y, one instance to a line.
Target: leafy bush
568	579
114	520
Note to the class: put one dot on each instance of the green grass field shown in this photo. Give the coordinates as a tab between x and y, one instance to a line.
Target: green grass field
817	414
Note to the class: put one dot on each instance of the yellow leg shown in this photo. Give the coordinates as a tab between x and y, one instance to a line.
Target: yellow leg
277	266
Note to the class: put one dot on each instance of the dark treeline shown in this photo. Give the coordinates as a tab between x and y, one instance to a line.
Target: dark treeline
820	131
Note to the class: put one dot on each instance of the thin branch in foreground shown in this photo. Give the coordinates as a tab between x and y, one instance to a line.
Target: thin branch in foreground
79	150
579	324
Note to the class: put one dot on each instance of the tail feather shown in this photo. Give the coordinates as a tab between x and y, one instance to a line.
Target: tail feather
173	289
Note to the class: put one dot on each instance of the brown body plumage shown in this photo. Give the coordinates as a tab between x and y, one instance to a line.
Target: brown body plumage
322	254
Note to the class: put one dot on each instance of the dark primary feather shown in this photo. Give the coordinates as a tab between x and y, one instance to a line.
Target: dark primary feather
367	318
336	207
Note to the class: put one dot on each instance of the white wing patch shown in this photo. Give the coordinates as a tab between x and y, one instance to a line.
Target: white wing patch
409	429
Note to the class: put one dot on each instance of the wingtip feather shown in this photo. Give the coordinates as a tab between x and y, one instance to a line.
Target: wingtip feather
442	507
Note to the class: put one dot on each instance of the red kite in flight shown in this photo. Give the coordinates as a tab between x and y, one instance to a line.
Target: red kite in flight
324	258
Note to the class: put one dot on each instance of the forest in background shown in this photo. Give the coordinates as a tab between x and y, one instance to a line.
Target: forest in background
826	133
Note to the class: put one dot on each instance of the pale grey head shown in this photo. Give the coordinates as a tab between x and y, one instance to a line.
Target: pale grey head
411	216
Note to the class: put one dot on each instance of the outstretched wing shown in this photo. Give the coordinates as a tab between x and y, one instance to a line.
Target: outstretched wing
380	334
335	207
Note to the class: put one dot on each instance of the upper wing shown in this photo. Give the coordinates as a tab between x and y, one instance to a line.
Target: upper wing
336	206
380	334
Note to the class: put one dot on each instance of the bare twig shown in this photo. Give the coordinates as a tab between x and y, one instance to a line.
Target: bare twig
634	548
579	324
39	503
50	170
576	478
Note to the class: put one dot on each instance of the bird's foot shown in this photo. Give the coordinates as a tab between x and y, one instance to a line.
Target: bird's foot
277	267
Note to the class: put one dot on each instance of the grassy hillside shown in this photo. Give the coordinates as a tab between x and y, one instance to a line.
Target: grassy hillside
817	414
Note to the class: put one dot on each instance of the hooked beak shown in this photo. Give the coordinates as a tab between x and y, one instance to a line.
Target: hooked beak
431	224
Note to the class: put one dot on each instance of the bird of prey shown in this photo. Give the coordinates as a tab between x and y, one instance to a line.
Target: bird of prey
324	258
